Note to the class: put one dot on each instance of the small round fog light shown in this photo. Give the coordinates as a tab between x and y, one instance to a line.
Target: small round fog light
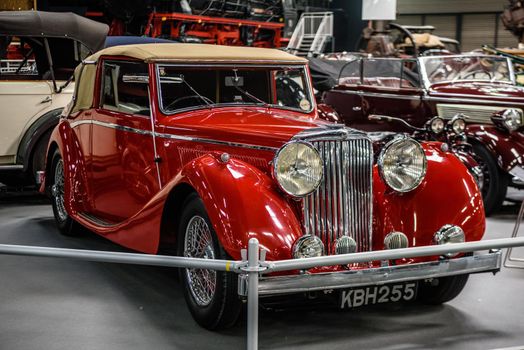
396	240
345	245
436	125
308	247
449	234
458	125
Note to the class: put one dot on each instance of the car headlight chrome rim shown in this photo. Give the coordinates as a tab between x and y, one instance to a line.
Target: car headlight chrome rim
458	124
402	164
512	119
436	125
298	168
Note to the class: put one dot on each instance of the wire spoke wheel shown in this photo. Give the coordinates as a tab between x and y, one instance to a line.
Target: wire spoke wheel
198	243
58	190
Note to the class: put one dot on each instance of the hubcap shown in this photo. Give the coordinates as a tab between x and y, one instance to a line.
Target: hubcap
198	243
58	191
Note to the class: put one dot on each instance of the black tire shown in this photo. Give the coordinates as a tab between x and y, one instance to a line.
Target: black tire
215	310
441	290
39	154
495	185
66	225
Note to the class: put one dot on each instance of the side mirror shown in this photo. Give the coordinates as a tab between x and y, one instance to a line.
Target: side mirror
173	79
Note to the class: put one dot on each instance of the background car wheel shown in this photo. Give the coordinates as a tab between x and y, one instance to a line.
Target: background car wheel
38	156
495	183
211	296
66	225
441	290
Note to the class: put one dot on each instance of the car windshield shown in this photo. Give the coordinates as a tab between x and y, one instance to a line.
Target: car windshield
466	68
183	88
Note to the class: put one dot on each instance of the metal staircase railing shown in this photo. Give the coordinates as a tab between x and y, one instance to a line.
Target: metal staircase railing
313	31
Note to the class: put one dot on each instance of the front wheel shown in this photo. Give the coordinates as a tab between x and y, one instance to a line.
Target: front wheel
441	290
211	296
66	225
495	181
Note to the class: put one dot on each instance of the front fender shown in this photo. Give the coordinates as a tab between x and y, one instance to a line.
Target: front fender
448	195
506	147
242	203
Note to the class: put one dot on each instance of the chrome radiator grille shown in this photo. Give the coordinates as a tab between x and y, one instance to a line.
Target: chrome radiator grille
476	113
342	205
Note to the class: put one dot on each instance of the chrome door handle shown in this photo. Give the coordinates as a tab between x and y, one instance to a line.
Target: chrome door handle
357	108
46	100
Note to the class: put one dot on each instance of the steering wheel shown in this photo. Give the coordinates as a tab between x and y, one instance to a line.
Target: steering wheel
186	98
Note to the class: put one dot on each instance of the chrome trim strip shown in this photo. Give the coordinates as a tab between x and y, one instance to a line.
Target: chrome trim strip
378	94
218	142
490	262
471	100
460	97
172	136
11	167
154	136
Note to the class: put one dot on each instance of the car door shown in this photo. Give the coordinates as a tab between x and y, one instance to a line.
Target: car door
22	97
391	87
123	173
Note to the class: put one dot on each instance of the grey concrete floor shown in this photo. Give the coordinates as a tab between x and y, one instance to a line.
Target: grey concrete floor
64	304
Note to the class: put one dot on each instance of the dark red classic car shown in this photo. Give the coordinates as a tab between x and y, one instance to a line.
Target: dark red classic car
195	149
482	88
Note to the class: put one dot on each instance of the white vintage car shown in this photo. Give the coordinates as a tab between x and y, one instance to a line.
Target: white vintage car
38	53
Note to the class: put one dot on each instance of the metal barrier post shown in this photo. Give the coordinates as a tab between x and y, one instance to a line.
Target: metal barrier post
252	294
508	260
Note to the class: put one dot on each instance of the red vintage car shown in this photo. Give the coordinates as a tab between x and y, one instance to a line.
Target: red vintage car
193	149
480	87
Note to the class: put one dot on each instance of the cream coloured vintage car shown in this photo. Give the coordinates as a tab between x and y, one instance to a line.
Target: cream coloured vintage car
38	54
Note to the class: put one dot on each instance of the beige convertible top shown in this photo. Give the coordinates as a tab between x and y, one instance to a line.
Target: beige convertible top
199	53
187	53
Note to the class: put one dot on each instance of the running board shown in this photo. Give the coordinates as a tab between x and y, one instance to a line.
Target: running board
11	167
96	221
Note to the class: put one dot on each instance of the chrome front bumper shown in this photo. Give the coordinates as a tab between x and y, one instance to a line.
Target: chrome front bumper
489	262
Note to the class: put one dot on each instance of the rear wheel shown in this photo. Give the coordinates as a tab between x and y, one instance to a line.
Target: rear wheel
211	296
441	290
66	225
495	181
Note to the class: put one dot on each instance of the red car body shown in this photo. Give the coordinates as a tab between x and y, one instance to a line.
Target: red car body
127	176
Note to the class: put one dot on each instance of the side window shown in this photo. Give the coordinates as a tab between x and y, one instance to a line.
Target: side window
125	95
382	72
17	59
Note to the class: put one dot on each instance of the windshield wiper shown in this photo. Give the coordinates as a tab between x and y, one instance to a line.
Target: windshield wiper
205	99
245	93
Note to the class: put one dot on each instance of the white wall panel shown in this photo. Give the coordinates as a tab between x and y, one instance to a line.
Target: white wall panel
449	6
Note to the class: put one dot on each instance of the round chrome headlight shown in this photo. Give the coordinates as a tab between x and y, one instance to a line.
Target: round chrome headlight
298	168
512	119
402	164
458	125
308	247
436	125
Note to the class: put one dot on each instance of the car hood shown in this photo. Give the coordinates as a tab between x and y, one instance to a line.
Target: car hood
495	91
250	126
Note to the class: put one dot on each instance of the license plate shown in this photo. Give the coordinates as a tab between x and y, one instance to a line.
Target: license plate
355	297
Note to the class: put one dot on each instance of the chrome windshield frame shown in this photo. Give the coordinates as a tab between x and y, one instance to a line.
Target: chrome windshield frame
221	65
428	83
